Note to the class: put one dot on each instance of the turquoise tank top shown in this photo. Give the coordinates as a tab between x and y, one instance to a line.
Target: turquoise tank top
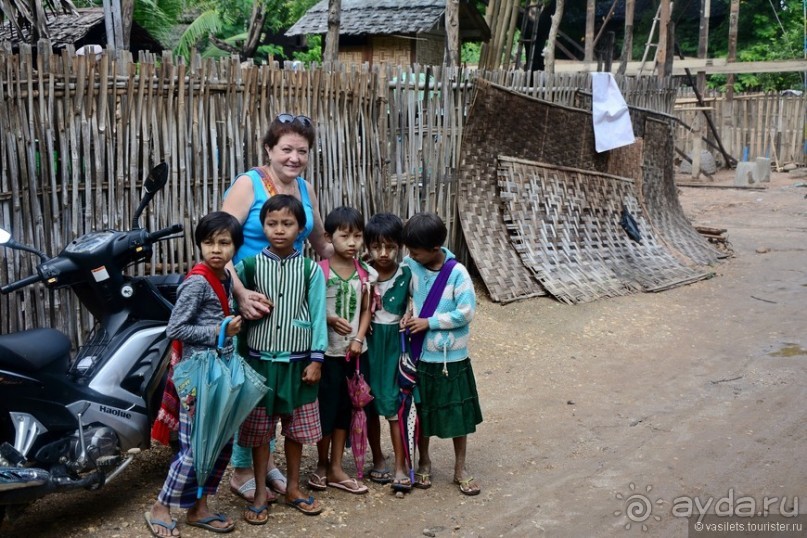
254	239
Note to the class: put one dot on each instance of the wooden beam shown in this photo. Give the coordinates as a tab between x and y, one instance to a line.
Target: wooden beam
590	11
710	66
663	27
627	45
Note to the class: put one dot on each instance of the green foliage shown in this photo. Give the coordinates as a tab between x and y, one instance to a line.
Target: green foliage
314	52
768	30
208	22
229	21
158	17
470	53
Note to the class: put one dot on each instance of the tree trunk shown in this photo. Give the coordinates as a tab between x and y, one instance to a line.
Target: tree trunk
331	53
549	49
256	22
452	58
590	13
117	24
109	24
127	14
627	44
663	27
39	29
734	17
703	41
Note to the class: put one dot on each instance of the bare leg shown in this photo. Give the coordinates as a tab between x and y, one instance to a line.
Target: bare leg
374	440
423	476
323	462
294	454
260	457
335	471
467	484
401	469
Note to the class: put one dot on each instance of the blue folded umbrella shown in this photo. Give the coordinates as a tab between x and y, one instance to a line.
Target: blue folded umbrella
226	390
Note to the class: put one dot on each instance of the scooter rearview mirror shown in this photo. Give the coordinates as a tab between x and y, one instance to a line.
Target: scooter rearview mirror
157	178
5	237
155	181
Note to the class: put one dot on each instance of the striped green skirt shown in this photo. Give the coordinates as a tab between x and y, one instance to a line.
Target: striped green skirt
448	406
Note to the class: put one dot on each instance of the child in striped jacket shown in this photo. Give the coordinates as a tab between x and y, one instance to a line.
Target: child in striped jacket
287	347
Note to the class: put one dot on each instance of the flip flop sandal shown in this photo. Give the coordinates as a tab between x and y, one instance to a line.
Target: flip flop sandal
465	486
380	476
257	510
423	480
297	505
351	485
153	523
205	523
317	482
404	485
249	485
275	475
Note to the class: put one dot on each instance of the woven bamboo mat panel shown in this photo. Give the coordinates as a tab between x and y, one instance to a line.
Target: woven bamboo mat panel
564	223
505	122
660	196
626	161
502	121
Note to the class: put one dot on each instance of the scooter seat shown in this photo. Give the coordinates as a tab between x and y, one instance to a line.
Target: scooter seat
32	350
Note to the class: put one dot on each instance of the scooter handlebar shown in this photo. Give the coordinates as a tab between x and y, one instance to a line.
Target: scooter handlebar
14	286
165	232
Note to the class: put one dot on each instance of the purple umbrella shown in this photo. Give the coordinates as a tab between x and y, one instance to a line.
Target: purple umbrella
407	413
360	396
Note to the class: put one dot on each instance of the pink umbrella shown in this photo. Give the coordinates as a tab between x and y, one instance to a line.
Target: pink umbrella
359	396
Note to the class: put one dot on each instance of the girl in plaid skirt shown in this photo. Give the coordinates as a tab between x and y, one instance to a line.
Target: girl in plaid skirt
202	303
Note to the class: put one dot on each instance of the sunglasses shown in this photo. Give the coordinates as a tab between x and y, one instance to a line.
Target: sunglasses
290	118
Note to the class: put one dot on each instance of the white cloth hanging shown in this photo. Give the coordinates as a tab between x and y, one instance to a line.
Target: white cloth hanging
612	126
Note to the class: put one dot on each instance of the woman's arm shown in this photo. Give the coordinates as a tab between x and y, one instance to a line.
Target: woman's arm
239	198
317	237
251	304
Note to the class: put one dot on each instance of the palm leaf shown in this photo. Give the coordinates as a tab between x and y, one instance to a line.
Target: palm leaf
156	17
209	22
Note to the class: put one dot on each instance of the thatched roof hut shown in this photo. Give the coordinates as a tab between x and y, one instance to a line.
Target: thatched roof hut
84	28
398	31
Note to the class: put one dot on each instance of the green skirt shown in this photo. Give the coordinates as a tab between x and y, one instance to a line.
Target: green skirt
286	392
448	406
383	350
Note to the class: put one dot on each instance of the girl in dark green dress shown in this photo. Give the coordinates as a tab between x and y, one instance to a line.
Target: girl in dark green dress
383	238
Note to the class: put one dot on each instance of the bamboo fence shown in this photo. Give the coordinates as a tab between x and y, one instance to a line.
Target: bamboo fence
78	134
767	125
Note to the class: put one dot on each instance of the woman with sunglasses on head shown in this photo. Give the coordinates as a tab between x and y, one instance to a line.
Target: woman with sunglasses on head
287	146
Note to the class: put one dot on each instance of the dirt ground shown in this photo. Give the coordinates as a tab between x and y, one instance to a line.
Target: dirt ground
598	417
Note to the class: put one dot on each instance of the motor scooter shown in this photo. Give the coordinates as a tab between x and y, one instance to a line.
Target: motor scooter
69	422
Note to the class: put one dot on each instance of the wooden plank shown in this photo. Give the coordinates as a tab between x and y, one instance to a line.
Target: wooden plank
710	66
